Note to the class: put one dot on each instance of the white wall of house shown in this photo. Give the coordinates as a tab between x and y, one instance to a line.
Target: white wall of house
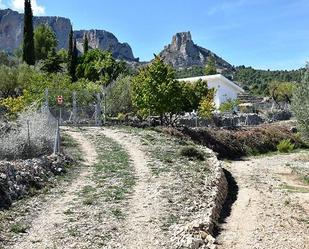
225	88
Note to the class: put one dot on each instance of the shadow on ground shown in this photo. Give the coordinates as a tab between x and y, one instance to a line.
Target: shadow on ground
230	200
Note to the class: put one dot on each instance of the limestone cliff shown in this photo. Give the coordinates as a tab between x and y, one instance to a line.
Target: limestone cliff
105	41
11	34
183	53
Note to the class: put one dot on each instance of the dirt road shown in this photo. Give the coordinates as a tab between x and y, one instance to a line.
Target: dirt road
86	215
271	210
42	230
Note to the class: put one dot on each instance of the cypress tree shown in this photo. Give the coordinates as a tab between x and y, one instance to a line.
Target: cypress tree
86	44
28	43
70	51
72	57
74	61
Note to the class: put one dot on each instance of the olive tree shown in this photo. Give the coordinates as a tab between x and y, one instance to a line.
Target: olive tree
300	104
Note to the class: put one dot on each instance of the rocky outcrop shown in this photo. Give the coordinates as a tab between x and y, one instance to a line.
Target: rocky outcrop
11	34
105	41
11	29
183	53
18	178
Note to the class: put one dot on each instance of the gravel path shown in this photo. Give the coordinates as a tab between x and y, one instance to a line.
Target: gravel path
267	214
141	228
42	232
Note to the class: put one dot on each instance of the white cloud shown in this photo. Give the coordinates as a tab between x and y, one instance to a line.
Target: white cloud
19	6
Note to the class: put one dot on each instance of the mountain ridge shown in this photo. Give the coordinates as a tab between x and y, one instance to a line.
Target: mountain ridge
11	34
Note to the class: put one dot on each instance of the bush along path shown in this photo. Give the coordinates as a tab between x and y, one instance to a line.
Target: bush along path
272	206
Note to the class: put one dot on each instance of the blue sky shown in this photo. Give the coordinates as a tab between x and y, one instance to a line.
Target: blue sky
267	34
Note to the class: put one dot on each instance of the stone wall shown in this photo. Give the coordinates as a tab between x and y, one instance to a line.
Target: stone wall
198	234
18	178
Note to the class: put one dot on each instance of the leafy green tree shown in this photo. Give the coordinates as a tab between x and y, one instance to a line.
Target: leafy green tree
210	68
155	91
300	104
86	44
193	93
98	65
281	91
63	55
45	41
229	106
28	42
52	64
207	106
119	96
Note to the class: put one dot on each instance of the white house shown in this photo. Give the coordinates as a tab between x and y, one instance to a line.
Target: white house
225	88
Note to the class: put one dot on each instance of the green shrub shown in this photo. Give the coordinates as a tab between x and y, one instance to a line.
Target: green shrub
229	106
121	117
19	228
192	152
300	105
285	146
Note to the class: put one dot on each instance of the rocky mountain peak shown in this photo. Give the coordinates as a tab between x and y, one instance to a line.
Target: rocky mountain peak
181	39
106	41
184	53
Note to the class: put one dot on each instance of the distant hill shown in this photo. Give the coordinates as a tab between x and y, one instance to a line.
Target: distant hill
182	53
256	81
11	34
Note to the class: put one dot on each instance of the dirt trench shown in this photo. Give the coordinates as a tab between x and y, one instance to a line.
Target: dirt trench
263	212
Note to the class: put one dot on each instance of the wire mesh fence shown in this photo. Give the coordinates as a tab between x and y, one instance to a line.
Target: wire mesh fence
31	135
76	108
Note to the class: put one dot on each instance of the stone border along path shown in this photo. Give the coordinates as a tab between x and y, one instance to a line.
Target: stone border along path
141	229
265	215
43	227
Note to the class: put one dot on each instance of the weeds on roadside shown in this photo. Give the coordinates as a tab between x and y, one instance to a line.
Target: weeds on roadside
19	228
285	146
192	152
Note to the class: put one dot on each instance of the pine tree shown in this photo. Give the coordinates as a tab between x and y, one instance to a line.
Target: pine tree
28	43
210	68
86	44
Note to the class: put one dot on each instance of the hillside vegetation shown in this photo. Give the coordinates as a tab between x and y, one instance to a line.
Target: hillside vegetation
255	81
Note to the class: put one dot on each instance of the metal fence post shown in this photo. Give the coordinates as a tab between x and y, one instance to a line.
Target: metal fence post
28	136
98	111
74	109
57	140
45	106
